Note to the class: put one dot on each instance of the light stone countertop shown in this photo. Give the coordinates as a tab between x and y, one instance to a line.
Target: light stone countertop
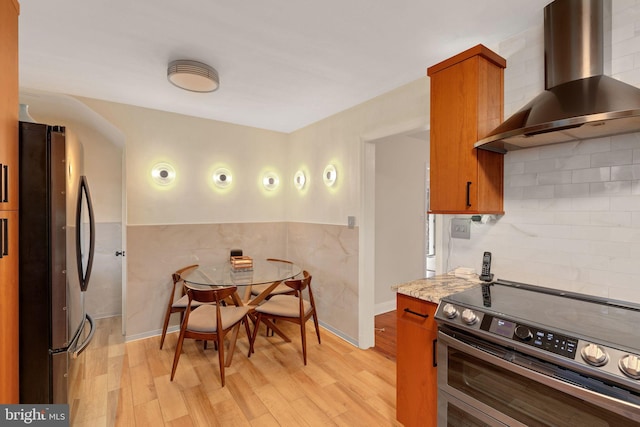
435	288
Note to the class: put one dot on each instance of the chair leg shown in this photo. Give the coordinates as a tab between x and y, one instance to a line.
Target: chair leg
303	334
315	322
255	333
176	357
165	326
246	327
220	341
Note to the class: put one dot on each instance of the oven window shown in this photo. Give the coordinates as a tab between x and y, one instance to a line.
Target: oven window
522	399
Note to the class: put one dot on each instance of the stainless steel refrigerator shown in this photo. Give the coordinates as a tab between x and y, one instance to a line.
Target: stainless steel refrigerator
56	242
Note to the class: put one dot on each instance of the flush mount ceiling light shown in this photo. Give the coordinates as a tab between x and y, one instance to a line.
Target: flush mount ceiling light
299	180
270	181
222	177
193	76
329	175
163	173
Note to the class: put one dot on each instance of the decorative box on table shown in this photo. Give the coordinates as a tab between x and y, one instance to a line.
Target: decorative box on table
241	262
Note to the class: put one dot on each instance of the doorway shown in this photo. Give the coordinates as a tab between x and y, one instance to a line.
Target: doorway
394	237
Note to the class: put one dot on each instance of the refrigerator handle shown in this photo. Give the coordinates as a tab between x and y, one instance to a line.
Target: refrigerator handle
82	346
84	260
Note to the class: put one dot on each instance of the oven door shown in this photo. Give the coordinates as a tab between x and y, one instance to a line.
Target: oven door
495	386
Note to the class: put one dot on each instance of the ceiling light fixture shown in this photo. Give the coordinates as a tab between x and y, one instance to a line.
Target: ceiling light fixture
193	76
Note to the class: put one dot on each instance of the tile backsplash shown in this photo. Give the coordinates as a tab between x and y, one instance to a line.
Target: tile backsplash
572	219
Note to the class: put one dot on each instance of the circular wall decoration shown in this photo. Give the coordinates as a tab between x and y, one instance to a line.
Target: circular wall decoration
299	179
222	177
270	181
330	175
163	173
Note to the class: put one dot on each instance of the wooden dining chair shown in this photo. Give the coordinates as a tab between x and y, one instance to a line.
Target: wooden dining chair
290	308
211	321
281	289
179	305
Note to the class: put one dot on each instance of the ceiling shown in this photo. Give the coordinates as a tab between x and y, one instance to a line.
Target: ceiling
283	64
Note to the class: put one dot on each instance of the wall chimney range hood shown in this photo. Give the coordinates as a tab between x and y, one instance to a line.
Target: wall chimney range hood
580	101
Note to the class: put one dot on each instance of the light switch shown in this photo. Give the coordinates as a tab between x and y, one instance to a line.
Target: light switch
351	221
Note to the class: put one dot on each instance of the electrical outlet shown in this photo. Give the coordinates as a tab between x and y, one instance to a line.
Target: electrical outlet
351	222
461	228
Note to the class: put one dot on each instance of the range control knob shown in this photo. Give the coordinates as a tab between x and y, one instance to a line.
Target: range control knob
630	366
450	311
469	317
523	333
594	355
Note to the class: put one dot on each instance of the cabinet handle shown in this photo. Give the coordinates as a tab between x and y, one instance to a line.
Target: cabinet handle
468	194
408	310
4	237
4	184
434	353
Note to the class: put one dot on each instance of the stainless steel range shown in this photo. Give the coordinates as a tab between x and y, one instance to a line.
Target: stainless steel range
521	355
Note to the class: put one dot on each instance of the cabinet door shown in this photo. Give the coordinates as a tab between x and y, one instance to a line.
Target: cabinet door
466	104
416	381
8	306
9	105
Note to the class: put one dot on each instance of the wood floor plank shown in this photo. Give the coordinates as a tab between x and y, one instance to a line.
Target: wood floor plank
199	407
148	414
279	407
311	413
185	421
228	413
246	399
171	403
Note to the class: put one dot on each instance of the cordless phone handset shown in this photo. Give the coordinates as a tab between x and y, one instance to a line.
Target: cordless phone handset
486	275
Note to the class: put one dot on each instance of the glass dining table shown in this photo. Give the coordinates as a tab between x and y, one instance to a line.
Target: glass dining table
264	271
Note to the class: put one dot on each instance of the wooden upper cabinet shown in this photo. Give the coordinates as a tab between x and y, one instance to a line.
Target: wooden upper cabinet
466	104
9	105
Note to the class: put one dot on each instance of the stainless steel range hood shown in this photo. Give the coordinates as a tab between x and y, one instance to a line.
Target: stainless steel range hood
580	101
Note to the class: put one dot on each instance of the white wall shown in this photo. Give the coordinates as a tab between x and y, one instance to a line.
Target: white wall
572	216
195	148
400	166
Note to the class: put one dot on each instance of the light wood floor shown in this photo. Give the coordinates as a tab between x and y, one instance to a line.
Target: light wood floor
128	384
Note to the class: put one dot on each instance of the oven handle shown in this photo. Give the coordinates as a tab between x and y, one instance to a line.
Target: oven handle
520	364
434	353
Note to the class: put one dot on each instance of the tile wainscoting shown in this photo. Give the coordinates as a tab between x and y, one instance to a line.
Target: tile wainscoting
329	252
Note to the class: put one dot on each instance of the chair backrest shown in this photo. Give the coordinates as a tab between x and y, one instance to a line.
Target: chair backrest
209	295
306	275
185	269
279	260
299	284
177	278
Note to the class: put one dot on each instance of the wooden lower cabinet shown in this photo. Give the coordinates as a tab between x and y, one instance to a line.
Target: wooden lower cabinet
416	382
